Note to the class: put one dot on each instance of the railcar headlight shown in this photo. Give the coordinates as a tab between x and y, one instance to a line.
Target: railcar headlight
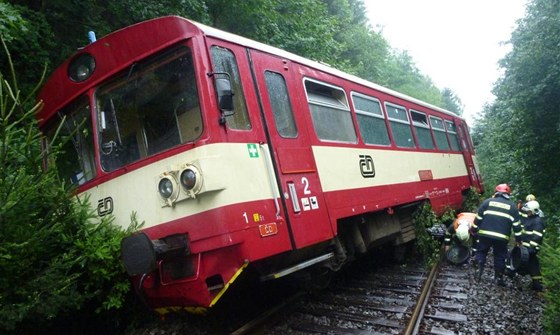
166	188
81	67
191	179
188	179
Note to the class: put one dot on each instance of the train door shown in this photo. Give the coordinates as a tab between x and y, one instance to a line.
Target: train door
291	149
468	150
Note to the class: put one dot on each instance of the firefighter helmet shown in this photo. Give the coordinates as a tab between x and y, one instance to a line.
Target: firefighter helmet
532	206
530	197
462	232
503	188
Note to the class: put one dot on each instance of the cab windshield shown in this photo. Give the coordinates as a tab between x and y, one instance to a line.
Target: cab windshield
151	107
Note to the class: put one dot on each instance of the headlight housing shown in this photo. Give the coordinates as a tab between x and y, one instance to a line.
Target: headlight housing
191	180
187	181
81	67
165	188
168	189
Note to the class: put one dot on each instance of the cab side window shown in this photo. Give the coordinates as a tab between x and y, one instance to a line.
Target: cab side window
224	61
76	161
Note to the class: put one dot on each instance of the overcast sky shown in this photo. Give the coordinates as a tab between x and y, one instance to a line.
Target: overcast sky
456	43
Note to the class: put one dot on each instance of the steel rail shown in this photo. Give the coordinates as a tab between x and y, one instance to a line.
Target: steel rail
416	317
265	317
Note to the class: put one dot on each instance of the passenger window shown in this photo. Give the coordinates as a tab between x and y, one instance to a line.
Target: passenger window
330	112
224	61
439	133
371	121
453	138
400	126
280	104
422	128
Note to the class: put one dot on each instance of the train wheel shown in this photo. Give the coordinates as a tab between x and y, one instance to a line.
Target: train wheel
320	278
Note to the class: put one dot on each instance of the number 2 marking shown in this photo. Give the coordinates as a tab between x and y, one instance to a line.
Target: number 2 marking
305	182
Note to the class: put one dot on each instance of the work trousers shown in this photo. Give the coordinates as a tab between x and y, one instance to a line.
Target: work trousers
499	248
533	266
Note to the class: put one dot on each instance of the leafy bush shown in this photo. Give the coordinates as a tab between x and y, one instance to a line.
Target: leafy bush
55	258
472	201
427	246
550	263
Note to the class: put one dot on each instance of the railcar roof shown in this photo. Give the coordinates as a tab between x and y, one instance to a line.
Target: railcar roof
176	27
220	34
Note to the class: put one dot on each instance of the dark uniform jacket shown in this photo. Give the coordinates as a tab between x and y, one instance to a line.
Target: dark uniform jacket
533	232
496	217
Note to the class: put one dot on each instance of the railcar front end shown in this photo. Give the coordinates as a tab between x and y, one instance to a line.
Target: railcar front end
142	110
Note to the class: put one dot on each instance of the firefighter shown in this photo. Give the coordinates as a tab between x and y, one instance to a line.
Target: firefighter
494	221
529	197
457	239
533	232
460	230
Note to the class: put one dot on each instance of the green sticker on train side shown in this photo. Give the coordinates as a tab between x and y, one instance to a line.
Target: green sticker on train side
253	151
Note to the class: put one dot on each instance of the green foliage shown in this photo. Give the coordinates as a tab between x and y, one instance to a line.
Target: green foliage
340	34
550	260
402	75
28	35
550	263
428	247
517	136
519	132
451	101
11	22
472	201
54	257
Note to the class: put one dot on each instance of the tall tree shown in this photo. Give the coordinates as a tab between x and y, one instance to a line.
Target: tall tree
363	52
525	114
28	35
451	101
403	76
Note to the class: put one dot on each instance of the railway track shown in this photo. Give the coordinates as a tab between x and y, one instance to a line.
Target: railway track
394	300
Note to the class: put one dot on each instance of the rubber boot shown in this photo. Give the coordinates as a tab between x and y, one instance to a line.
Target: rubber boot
479	271
537	285
499	276
509	272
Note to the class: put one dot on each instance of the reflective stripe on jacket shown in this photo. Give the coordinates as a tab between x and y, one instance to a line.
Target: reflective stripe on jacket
496	217
533	232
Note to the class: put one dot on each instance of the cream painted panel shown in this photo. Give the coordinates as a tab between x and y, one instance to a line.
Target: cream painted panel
244	178
339	168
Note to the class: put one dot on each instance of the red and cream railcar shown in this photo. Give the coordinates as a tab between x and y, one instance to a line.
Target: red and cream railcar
235	154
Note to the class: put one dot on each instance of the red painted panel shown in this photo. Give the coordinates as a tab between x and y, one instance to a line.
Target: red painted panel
304	205
425	175
293	160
